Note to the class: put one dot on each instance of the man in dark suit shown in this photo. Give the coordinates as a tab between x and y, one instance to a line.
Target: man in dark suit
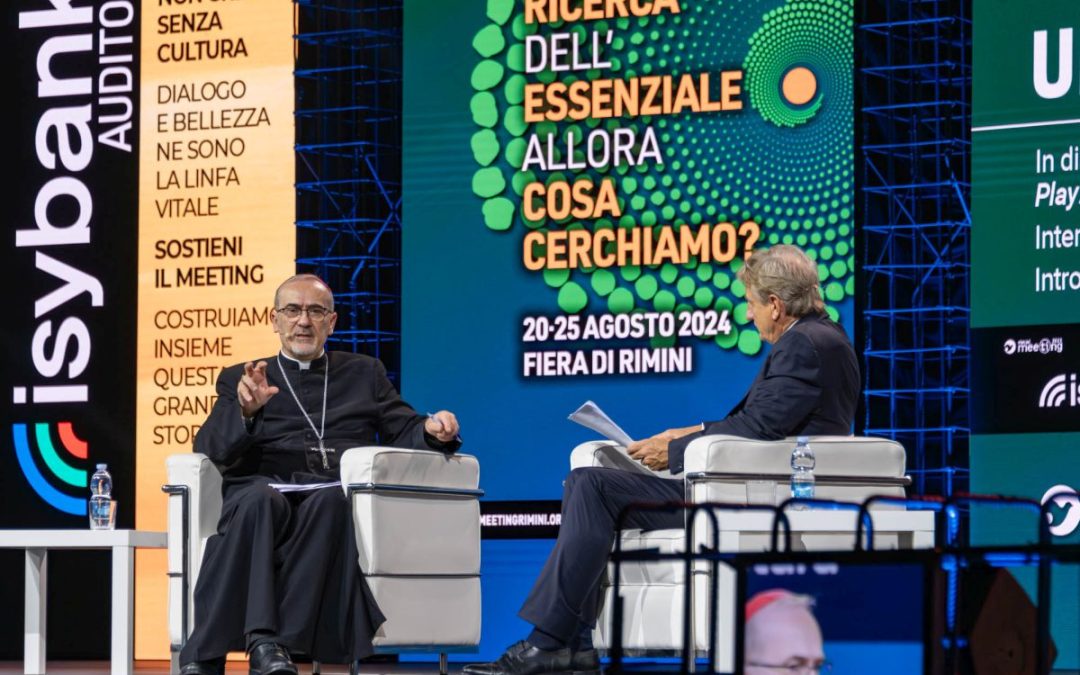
808	386
282	571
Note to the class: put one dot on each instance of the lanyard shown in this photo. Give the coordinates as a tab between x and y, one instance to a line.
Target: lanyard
321	431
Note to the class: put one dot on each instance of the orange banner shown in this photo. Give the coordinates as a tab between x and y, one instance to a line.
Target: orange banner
216	233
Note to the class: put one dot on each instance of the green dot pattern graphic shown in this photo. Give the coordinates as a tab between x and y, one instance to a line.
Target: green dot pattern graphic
785	164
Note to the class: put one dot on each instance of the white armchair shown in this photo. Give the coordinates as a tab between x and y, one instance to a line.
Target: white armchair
417	519
716	470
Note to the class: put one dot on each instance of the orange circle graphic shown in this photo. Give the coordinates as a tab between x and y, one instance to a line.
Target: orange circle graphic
799	85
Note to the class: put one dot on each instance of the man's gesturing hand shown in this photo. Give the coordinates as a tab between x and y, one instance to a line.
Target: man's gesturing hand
254	389
443	425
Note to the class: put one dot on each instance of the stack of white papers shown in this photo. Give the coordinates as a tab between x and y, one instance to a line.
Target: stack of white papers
590	415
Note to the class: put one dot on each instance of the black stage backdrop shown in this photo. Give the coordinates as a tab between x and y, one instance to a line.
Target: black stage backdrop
69	277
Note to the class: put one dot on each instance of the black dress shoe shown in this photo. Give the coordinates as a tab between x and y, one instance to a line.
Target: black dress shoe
522	658
209	667
269	658
586	662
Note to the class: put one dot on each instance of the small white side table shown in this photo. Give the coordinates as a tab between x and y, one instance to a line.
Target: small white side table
123	544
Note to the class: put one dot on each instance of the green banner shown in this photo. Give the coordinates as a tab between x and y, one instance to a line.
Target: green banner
1025	282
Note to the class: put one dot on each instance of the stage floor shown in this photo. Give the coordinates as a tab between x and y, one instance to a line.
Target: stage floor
162	668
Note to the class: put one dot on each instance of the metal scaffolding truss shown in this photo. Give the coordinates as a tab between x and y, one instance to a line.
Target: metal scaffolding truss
348	165
914	119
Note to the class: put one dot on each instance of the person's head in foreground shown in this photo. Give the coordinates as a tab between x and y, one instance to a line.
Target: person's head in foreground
781	287
782	635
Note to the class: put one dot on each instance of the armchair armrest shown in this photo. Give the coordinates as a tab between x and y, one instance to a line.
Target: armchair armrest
854	456
416	512
416	517
194	491
401	467
849	468
611	455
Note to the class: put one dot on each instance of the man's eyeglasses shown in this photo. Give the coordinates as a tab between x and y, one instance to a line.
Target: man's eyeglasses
802	669
314	312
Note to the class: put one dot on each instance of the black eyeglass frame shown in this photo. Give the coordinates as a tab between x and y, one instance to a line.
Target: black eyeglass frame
314	312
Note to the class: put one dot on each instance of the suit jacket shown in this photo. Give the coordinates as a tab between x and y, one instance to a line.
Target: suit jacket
808	386
362	408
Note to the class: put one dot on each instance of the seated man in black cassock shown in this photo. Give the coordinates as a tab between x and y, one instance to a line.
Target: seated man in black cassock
282	571
808	386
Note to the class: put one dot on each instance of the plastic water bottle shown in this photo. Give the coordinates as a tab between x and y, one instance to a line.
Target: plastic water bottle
101	504
802	471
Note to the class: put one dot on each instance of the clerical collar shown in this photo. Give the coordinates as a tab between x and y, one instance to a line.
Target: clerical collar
302	365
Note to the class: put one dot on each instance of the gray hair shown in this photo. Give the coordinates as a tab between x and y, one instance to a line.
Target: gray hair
789	274
303	277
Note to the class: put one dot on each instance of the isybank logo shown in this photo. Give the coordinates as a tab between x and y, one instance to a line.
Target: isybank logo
61	243
1058	390
41	436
